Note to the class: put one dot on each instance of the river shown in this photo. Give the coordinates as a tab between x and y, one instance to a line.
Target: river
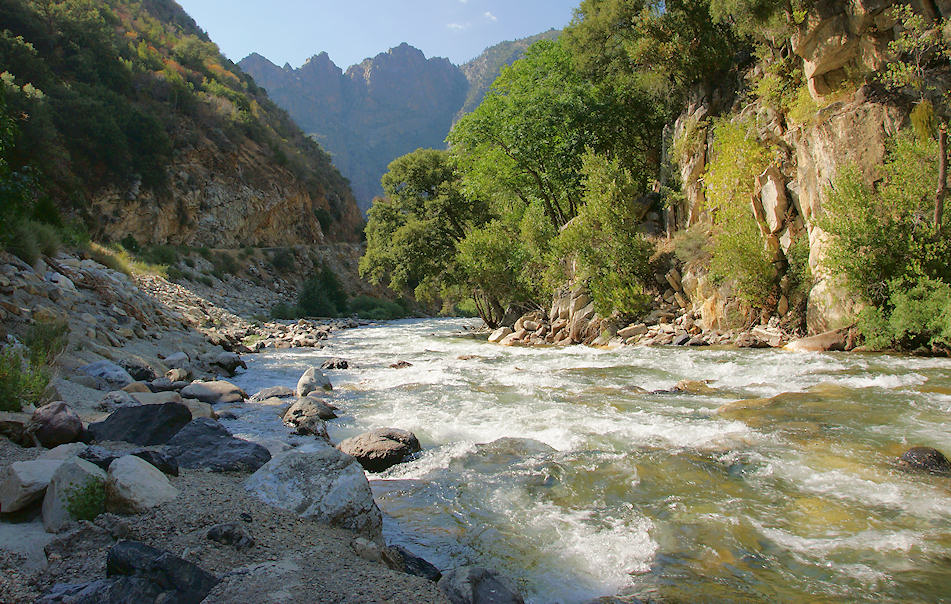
792	495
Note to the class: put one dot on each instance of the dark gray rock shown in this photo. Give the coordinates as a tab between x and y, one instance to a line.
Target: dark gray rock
55	424
143	425
681	339
414	565
123	590
335	363
204	443
140	370
477	585
99	456
162	460
169	573
380	449
273	392
231	533
162	384
925	459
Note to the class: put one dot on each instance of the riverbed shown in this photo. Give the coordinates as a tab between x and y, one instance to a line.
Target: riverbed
771	478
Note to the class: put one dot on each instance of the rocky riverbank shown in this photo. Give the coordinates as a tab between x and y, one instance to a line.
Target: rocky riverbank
128	488
573	320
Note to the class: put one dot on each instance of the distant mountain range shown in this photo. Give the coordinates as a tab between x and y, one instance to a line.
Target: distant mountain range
385	107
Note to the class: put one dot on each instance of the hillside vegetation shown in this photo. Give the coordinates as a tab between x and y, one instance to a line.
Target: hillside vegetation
761	150
120	107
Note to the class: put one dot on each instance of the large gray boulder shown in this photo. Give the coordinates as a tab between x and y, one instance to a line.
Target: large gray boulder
925	459
272	392
108	375
477	585
55	424
318	481
312	380
144	424
205	443
382	448
134	486
25	482
77	487
214	393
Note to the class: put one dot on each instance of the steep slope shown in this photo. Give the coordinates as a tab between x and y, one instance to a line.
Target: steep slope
385	107
378	110
137	124
482	70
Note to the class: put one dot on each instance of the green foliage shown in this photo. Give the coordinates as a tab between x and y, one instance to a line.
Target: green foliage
603	243
780	78
283	259
739	253
322	295
885	233
86	501
917	314
919	48
492	260
377	309
25	370
693	244
104	92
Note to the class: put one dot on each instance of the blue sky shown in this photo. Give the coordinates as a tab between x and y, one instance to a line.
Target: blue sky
290	31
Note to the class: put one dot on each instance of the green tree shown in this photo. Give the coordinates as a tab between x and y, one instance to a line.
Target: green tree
412	233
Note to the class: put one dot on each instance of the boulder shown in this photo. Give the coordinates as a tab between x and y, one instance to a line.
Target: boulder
105	591
204	443
108	375
307	415
64	452
380	449
630	331
156	398
477	585
925	459
177	360
401	365
411	564
273	392
143	425
76	492
831	340
138	368
55	424
500	334
313	379
24	482
137	387
13	427
162	460
134	486
182	581
214	393
116	399
318	481
229	362
231	533
335	363
178	375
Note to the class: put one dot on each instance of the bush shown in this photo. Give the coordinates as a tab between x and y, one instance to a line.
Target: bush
159	254
20	382
47	238
918	314
322	295
23	244
130	244
368	307
283	259
282	310
87	501
693	244
45	341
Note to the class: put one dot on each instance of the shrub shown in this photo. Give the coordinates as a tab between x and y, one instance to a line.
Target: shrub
130	244
23	244
283	259
282	310
368	307
225	264
47	237
693	244
85	502
322	295
918	314
24	371
159	254
45	341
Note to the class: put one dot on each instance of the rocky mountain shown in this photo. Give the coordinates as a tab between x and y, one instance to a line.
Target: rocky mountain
131	120
385	107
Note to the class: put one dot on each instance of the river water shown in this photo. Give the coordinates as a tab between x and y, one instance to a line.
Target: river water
604	486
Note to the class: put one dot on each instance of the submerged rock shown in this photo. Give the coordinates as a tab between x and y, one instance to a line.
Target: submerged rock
925	459
477	585
380	449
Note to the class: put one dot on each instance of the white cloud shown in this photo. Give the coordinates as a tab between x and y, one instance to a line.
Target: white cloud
457	26
488	15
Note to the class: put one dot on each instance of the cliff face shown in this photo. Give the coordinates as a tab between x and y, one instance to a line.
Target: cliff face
791	194
385	107
377	111
145	129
